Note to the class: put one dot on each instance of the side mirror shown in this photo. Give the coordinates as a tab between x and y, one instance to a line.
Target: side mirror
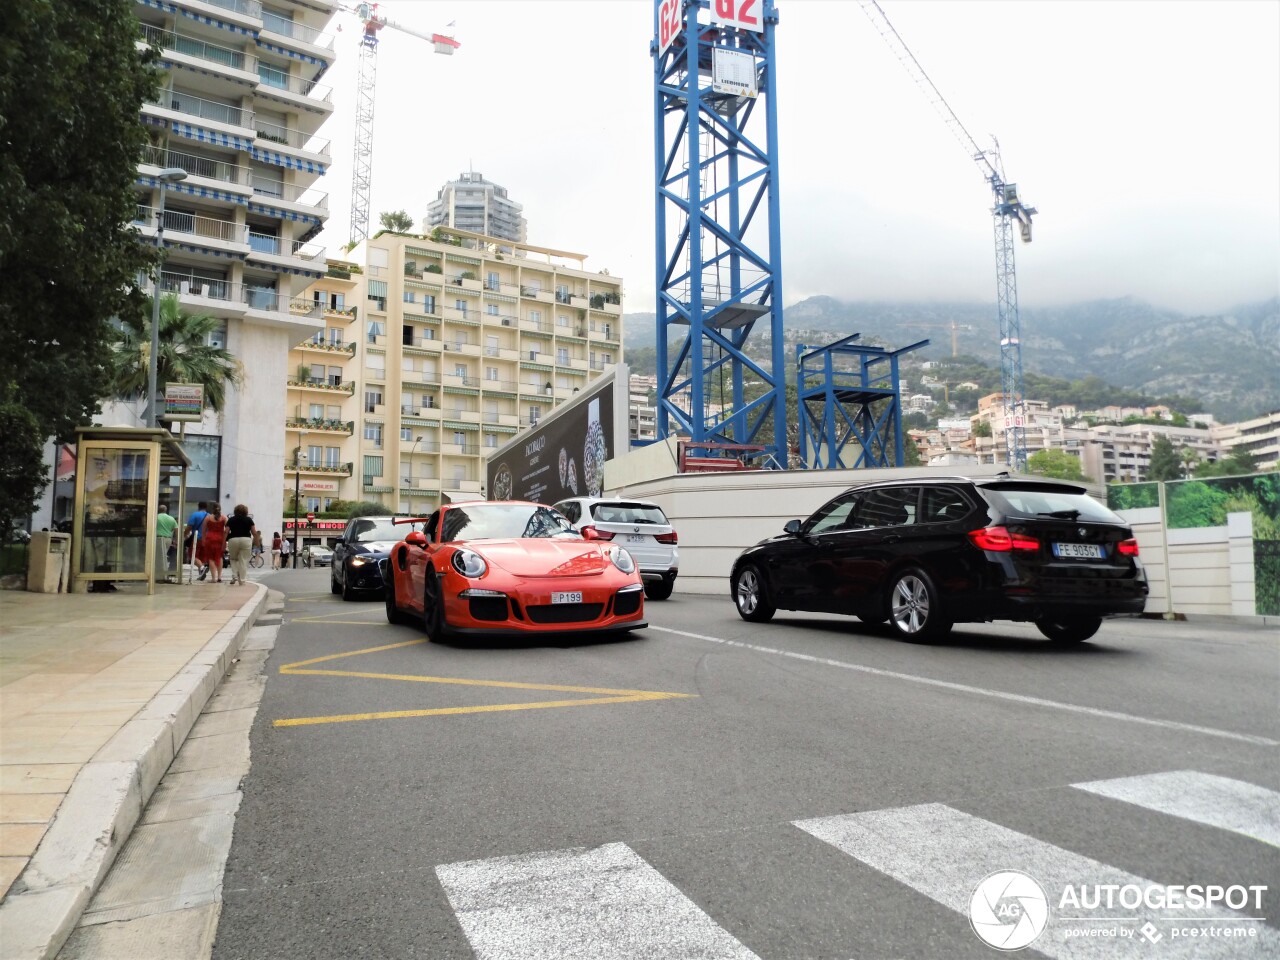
792	527
417	539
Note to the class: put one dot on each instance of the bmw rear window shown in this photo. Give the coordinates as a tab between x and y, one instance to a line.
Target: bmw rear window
627	513
1031	500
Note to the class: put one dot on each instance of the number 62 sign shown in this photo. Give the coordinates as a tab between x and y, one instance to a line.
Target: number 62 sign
670	22
743	14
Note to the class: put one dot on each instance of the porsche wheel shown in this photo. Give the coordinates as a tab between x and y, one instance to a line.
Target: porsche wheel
395	615
433	621
751	597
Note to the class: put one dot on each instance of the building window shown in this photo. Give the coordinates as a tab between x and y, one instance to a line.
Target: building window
406	433
562	320
332	456
491	309
490	439
459	438
491	373
410	297
562	356
372	468
373	433
313	504
315	455
428	303
316	411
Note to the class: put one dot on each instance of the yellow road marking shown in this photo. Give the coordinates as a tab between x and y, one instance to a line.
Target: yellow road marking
609	695
487	708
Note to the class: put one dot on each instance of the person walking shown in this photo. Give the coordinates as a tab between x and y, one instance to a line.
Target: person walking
286	548
191	542
276	545
166	535
241	533
215	541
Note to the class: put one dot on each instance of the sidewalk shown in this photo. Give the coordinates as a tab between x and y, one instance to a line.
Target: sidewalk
97	693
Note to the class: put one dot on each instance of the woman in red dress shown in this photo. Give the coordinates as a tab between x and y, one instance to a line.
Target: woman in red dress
213	541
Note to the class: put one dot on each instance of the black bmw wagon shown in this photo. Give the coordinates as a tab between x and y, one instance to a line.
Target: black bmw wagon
924	554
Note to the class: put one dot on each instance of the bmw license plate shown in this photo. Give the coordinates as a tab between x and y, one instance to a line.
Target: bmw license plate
633	538
574	597
1078	551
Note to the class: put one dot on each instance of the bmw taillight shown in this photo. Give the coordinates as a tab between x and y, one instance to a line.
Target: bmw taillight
1127	548
1000	540
592	533
666	537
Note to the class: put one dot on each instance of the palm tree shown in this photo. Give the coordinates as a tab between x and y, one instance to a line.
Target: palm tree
186	355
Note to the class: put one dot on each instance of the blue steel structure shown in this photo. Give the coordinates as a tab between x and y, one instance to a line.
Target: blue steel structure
1007	209
850	418
718	249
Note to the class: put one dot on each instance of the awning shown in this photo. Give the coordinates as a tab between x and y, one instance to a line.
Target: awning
199	17
499	428
280	160
280	268
177	241
286	52
283	214
193	188
192	132
422	252
459	425
203	71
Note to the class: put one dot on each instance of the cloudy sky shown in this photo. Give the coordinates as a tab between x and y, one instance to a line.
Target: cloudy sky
1146	133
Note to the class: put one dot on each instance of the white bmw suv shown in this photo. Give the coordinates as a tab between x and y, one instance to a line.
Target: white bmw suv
638	526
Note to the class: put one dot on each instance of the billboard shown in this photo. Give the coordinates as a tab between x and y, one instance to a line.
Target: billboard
564	455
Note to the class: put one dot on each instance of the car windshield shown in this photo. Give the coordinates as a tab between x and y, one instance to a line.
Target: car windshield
369	529
1042	501
627	513
503	521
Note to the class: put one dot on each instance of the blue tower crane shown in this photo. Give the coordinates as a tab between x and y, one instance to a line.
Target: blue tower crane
1007	210
718	256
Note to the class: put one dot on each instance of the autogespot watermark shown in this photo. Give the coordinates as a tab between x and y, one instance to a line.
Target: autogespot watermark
1009	910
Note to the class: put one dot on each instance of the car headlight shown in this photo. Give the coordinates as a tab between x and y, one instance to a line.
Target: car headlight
359	561
622	560
469	563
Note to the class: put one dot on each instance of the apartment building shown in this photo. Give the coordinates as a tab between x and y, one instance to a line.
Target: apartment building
321	406
460	346
239	113
1260	436
479	206
642	416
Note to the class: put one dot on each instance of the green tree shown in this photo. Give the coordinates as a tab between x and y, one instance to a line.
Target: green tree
72	82
397	221
22	468
1238	463
910	451
982	428
185	354
1165	463
1057	464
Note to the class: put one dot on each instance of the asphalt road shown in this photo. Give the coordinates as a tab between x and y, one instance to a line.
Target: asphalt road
806	788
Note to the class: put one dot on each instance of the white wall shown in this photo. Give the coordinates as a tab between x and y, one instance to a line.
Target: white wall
253	440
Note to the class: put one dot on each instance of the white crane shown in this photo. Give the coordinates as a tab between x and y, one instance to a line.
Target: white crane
362	164
1008	209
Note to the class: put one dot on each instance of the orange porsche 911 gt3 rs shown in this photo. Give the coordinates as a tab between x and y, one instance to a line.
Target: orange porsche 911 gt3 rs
509	567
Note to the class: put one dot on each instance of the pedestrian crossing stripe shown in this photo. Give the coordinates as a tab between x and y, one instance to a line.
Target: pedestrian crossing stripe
1242	808
608	902
603	695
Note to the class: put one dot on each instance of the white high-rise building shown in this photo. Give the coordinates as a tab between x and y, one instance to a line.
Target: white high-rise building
477	205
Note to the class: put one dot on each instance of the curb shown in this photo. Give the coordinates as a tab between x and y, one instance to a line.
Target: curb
107	798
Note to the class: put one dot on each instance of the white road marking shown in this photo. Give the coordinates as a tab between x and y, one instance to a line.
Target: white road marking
594	904
1234	805
944	854
981	691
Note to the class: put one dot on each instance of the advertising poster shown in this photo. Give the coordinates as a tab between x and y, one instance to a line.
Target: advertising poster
563	457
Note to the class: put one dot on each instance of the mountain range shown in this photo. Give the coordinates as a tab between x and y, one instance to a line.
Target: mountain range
1230	361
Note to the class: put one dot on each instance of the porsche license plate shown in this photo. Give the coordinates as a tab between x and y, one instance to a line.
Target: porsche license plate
1078	551
574	597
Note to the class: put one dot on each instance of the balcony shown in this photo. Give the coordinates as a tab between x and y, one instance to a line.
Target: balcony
222	237
323	385
205	168
230	60
462	414
466	283
462	486
248	8
223	117
323	469
293	90
537	293
375	409
314	147
328	346
267	248
320	425
297	32
296	199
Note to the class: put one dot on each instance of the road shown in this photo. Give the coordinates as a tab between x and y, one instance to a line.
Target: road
808	788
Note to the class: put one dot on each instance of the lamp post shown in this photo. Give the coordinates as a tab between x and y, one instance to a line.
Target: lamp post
299	461
416	441
166	176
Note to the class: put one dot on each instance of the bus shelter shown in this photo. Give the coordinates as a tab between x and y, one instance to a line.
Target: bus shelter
118	485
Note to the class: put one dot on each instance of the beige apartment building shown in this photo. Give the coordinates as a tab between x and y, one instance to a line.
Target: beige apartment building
436	351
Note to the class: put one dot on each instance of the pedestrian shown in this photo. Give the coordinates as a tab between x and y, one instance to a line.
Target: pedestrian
215	541
241	534
191	543
276	545
166	534
286	548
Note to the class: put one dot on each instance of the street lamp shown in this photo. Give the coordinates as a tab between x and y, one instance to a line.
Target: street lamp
299	461
166	176
416	441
